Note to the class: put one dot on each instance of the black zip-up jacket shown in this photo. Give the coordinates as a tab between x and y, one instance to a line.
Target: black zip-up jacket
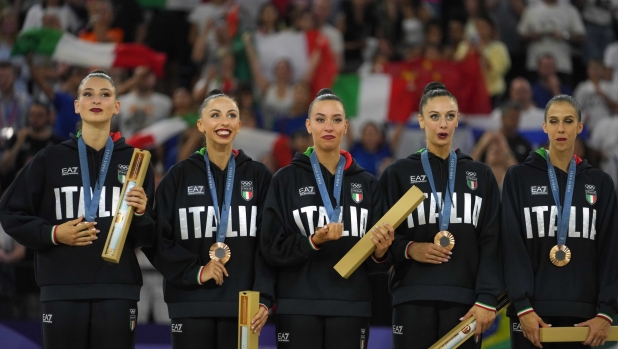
588	284
47	193
187	228
473	275
307	284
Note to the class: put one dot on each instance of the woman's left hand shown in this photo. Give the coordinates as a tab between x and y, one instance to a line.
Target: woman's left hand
383	238
484	319
136	197
599	330
259	320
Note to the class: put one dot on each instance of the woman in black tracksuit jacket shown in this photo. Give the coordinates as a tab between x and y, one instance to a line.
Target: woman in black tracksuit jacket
434	288
304	239
202	292
84	299
579	283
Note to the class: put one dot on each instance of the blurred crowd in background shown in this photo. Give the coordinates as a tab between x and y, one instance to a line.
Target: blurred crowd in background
503	59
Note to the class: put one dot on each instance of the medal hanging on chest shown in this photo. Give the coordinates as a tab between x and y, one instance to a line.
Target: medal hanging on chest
332	213
219	251
560	255
443	238
91	203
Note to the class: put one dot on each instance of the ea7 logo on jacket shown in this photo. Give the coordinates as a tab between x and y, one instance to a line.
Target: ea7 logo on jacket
283	337
357	192
418	179
177	328
47	318
69	171
397	329
306	191
538	190
591	194
195	190
471	180
246	190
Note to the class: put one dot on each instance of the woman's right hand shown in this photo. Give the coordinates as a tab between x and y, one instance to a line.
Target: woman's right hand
76	232
328	232
213	270
427	252
530	325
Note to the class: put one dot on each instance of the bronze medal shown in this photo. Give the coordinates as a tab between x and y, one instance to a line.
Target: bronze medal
445	239
220	252
560	255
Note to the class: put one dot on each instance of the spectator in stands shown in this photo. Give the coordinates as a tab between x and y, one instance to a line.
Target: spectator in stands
9	29
67	18
496	153
322	10
247	107
269	19
277	97
142	107
507	14
357	22
550	28
285	147
414	17
294	120
548	84
610	60
456	47
597	17
24	145
14	104
598	98
100	24
372	152
10	253
473	9
493	55
518	145
218	75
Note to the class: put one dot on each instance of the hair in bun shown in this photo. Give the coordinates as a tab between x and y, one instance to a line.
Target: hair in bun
565	99
215	93
98	74
433	86
325	94
432	90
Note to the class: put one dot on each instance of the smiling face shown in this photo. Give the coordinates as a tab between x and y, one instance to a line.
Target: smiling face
439	118
327	124
562	126
219	122
96	101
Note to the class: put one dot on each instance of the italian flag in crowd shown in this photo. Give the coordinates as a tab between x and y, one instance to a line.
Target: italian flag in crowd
161	131
65	47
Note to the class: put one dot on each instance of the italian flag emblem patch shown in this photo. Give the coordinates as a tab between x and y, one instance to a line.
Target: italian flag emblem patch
471	180
246	190
591	194
357	192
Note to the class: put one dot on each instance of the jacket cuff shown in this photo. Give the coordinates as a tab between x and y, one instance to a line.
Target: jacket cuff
407	255
194	275
48	235
607	310
381	260
313	245
523	307
486	301
265	301
138	214
605	317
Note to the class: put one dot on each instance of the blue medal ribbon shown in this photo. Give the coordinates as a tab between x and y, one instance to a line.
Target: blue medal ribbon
564	211
444	213
91	203
222	216
332	213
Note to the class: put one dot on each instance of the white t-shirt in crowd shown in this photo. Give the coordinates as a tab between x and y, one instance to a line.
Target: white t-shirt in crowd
204	12
599	12
68	20
593	105
545	19
610	60
138	112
